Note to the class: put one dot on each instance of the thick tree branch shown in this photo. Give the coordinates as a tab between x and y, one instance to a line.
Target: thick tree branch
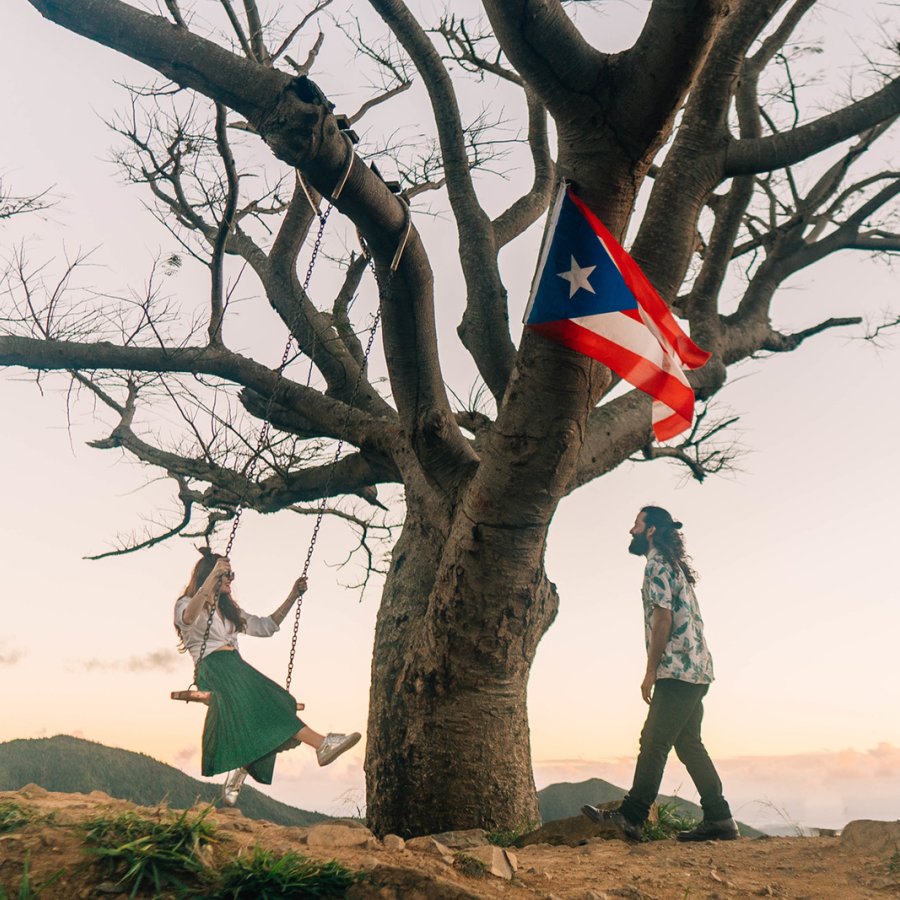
301	131
530	206
692	168
185	58
776	151
327	414
341	310
485	326
663	64
547	50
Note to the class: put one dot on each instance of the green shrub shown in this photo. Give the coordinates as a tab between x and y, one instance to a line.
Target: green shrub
670	822
264	875
151	854
507	837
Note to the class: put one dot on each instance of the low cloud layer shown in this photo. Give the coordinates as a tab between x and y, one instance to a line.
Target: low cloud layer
155	661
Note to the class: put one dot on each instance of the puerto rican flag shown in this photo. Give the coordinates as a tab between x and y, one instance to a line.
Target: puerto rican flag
589	295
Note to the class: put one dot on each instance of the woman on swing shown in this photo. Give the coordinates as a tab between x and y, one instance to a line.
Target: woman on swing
250	718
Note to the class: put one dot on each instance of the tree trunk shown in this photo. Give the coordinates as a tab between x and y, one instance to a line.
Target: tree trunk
460	619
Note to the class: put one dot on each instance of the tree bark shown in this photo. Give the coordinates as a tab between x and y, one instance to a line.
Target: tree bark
460	619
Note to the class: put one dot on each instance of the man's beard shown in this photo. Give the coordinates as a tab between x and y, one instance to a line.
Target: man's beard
639	545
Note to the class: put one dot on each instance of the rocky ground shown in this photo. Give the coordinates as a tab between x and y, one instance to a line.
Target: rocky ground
863	862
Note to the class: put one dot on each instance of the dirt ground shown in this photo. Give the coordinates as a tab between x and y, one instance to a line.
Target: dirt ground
815	868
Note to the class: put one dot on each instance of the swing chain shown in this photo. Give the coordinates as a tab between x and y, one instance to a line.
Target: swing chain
253	462
383	291
320	512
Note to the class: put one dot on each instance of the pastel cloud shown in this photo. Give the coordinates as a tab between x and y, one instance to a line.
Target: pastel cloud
9	656
154	661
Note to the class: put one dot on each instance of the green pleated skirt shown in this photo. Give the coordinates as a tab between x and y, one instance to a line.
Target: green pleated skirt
249	717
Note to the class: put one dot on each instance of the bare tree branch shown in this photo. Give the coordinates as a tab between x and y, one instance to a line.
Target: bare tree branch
485	326
530	206
320	5
702	451
224	230
383	97
784	343
779	150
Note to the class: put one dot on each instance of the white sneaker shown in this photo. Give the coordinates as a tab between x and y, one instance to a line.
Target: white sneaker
231	790
334	745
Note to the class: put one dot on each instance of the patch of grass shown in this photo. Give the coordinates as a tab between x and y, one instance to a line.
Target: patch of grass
151	854
670	822
28	890
507	837
264	875
894	863
12	816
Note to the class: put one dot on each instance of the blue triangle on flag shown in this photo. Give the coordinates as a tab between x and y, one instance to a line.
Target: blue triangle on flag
575	248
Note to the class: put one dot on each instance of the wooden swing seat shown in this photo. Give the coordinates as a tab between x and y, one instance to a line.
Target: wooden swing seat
203	697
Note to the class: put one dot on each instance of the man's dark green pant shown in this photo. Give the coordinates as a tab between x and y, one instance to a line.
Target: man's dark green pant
676	713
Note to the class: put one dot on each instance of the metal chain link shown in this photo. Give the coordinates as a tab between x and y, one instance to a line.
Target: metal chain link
320	513
250	469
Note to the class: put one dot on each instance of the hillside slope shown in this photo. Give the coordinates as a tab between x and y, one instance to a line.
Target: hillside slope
72	765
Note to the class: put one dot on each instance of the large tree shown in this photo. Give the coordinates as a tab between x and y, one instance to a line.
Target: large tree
466	599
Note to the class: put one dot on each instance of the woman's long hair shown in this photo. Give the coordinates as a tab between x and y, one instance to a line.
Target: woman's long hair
229	609
668	540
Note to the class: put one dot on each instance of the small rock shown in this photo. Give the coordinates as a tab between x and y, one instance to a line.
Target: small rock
393	842
329	837
430	847
461	840
498	862
109	887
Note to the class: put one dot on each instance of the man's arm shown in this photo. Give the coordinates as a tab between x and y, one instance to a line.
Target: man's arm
660	629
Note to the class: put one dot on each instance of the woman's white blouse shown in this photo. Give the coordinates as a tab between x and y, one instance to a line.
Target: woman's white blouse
221	632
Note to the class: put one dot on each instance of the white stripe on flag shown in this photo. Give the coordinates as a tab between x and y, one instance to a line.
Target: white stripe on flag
633	336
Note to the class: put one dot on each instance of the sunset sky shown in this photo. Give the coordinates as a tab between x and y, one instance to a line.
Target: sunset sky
795	550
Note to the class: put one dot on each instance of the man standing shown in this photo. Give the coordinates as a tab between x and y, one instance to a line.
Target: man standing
679	672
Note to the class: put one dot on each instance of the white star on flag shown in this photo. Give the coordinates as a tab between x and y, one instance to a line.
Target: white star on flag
577	278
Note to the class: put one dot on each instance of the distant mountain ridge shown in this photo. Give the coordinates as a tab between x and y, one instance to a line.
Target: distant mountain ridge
565	799
73	765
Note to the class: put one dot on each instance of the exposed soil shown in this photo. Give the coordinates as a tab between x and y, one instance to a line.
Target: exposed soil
821	868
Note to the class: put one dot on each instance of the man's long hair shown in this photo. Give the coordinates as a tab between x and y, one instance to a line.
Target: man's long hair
668	540
229	609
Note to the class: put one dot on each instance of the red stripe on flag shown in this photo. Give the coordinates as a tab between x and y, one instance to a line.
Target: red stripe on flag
671	426
692	356
635	369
